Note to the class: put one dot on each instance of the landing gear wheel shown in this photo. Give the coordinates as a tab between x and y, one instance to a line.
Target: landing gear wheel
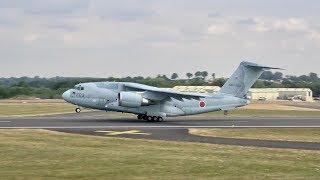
159	119
78	110
225	113
154	118
144	117
149	118
140	116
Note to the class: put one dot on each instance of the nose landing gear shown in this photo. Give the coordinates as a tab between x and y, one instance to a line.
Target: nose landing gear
78	110
140	116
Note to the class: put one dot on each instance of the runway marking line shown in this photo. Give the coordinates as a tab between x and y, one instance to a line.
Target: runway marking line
5	121
148	127
115	133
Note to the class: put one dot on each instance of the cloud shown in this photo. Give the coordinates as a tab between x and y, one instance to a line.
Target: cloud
121	10
291	24
214	15
47	7
290	27
286	25
314	35
30	37
261	28
217	29
246	21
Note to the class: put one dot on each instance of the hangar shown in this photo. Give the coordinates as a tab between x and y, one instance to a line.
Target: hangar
303	94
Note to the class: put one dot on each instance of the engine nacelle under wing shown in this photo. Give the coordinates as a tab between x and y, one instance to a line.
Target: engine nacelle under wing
132	100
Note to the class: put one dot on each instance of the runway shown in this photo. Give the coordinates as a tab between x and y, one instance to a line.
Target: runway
172	129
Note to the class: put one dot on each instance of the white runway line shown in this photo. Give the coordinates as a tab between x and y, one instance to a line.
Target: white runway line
151	127
5	121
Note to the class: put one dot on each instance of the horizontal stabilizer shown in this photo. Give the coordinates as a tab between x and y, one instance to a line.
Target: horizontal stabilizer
254	65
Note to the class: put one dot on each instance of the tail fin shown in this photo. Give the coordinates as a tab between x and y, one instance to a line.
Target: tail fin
243	78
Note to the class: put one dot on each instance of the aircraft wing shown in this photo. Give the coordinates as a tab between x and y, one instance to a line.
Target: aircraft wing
154	93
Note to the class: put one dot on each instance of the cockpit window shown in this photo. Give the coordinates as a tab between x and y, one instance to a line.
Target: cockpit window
79	88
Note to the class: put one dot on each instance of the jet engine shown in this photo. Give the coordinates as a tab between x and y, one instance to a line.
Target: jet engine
132	100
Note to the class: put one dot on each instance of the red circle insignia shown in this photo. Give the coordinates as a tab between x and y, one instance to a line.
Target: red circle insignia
202	104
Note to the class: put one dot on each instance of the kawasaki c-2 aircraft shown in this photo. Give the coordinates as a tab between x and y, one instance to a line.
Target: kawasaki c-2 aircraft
153	104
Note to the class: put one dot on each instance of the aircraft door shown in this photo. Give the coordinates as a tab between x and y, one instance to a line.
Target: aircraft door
102	102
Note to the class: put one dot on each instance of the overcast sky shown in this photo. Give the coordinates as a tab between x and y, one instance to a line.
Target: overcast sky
129	38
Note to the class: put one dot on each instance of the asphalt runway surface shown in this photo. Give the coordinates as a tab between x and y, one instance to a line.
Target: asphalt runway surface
172	129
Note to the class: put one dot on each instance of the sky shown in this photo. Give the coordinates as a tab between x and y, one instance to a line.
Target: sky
102	38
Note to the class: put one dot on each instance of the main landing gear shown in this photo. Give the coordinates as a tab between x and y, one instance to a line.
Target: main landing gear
78	110
150	118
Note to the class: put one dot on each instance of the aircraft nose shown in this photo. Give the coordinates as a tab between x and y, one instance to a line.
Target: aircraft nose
66	95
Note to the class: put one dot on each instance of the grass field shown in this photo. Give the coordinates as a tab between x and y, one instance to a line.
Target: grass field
287	134
35	109
263	113
40	154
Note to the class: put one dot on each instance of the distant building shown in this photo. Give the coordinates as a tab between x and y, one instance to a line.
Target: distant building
303	94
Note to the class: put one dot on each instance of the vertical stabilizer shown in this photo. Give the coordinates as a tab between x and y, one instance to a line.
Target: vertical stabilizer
243	79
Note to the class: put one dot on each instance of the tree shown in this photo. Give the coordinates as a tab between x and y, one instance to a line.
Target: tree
213	75
189	75
259	84
197	74
305	78
3	93
314	77
267	75
277	76
23	84
204	74
174	76
219	82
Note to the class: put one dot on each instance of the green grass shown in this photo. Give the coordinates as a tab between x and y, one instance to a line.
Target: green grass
287	134
35	109
39	154
262	113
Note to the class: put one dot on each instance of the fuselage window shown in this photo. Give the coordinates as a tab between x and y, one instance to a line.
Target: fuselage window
82	88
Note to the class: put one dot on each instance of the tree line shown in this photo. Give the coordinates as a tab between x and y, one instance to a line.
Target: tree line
197	75
54	87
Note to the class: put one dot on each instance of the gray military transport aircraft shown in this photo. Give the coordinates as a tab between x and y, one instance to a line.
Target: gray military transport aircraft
152	103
